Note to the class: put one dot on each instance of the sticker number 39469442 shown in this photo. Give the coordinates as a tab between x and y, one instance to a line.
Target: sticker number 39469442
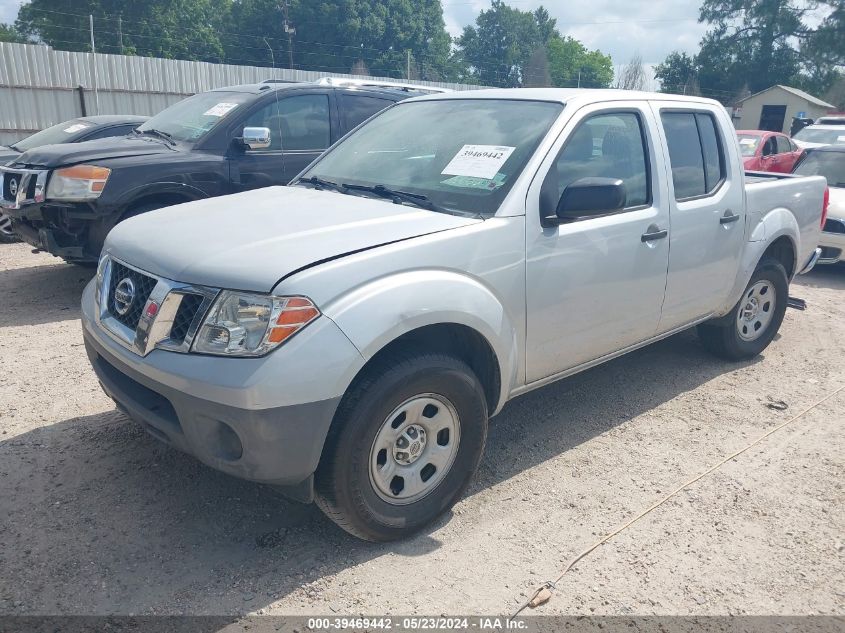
480	161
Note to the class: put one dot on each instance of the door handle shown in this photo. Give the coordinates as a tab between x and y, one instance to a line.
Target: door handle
729	217
654	235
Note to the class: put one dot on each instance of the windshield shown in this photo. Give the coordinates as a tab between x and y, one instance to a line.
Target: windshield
192	118
61	133
748	144
820	135
831	165
462	155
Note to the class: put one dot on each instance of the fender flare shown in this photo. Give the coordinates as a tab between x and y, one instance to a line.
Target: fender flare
377	313
777	223
128	197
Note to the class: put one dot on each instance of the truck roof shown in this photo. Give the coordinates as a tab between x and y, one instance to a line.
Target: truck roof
276	85
583	96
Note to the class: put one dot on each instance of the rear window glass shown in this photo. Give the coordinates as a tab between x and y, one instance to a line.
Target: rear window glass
695	153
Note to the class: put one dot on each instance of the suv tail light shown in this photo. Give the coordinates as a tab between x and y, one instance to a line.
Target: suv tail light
825	204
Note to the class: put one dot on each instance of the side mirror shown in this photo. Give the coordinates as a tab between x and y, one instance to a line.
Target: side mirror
256	137
588	197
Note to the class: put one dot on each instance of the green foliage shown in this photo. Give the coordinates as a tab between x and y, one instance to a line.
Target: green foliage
677	73
568	57
9	33
502	41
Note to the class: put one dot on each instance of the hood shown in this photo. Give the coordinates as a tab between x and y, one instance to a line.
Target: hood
7	155
93	151
807	144
836	208
248	241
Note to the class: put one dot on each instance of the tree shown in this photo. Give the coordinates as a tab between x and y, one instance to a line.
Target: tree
181	29
8	33
571	65
678	73
499	45
632	76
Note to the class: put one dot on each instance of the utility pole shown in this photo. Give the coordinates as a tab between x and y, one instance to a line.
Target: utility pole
94	63
291	31
120	30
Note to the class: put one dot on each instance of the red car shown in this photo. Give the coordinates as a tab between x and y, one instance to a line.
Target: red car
768	151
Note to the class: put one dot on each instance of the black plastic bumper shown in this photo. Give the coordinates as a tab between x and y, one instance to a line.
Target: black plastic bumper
279	446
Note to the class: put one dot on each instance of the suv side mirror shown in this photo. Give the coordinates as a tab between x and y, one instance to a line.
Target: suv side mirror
588	197
256	137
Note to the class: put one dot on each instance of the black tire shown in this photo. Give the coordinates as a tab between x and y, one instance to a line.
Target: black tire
344	490
723	337
6	234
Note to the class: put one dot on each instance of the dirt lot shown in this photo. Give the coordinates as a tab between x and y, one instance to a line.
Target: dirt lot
98	517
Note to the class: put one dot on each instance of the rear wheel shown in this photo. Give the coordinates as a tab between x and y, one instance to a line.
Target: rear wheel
7	236
404	444
754	321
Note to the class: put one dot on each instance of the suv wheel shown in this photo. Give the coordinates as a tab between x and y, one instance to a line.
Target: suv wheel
404	444
7	236
754	321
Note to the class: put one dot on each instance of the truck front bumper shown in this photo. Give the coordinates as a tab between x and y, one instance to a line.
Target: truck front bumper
235	415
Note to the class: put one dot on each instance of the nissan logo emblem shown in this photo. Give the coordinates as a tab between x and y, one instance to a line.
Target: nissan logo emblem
124	295
13	186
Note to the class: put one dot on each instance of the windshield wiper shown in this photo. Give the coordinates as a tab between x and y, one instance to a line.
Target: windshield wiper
319	184
162	135
416	199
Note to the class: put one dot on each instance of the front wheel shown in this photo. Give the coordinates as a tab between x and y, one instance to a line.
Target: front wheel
404	444
754	321
7	235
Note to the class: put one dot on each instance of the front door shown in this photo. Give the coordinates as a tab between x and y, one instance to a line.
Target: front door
306	130
595	285
708	213
254	168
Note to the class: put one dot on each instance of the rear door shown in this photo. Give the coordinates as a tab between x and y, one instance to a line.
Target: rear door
707	211
595	285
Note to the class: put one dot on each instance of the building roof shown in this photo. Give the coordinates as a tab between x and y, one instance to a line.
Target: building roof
798	93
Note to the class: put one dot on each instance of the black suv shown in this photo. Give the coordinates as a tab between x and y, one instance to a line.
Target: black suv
64	199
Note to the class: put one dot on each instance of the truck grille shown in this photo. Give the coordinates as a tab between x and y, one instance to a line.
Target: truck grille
185	316
171	320
128	313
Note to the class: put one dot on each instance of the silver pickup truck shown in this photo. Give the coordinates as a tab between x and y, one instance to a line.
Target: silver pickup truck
349	337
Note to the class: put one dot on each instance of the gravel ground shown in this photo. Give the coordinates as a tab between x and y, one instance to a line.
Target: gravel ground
96	517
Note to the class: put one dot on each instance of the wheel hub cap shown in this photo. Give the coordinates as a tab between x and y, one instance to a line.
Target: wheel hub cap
414	449
757	311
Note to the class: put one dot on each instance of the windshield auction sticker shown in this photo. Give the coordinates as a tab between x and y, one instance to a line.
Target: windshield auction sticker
478	161
221	109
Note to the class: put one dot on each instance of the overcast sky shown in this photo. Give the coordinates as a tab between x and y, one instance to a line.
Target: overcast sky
621	28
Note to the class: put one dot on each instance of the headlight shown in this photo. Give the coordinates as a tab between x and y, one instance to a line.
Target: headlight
101	274
80	182
245	324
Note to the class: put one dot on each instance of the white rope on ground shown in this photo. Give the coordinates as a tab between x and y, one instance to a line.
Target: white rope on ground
544	593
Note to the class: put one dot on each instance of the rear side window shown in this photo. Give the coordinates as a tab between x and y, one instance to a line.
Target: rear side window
357	108
695	153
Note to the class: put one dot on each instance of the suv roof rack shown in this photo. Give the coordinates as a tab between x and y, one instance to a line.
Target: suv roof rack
393	85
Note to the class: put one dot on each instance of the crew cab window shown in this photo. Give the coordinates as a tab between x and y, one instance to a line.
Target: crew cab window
695	153
304	122
358	108
607	146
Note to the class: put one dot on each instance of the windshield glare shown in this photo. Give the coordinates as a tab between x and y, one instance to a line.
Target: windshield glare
61	133
816	135
748	144
192	118
829	164
462	154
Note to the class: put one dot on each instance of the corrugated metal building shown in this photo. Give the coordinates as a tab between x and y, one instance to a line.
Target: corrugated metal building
40	87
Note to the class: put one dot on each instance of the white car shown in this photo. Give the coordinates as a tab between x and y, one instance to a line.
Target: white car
827	130
830	163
